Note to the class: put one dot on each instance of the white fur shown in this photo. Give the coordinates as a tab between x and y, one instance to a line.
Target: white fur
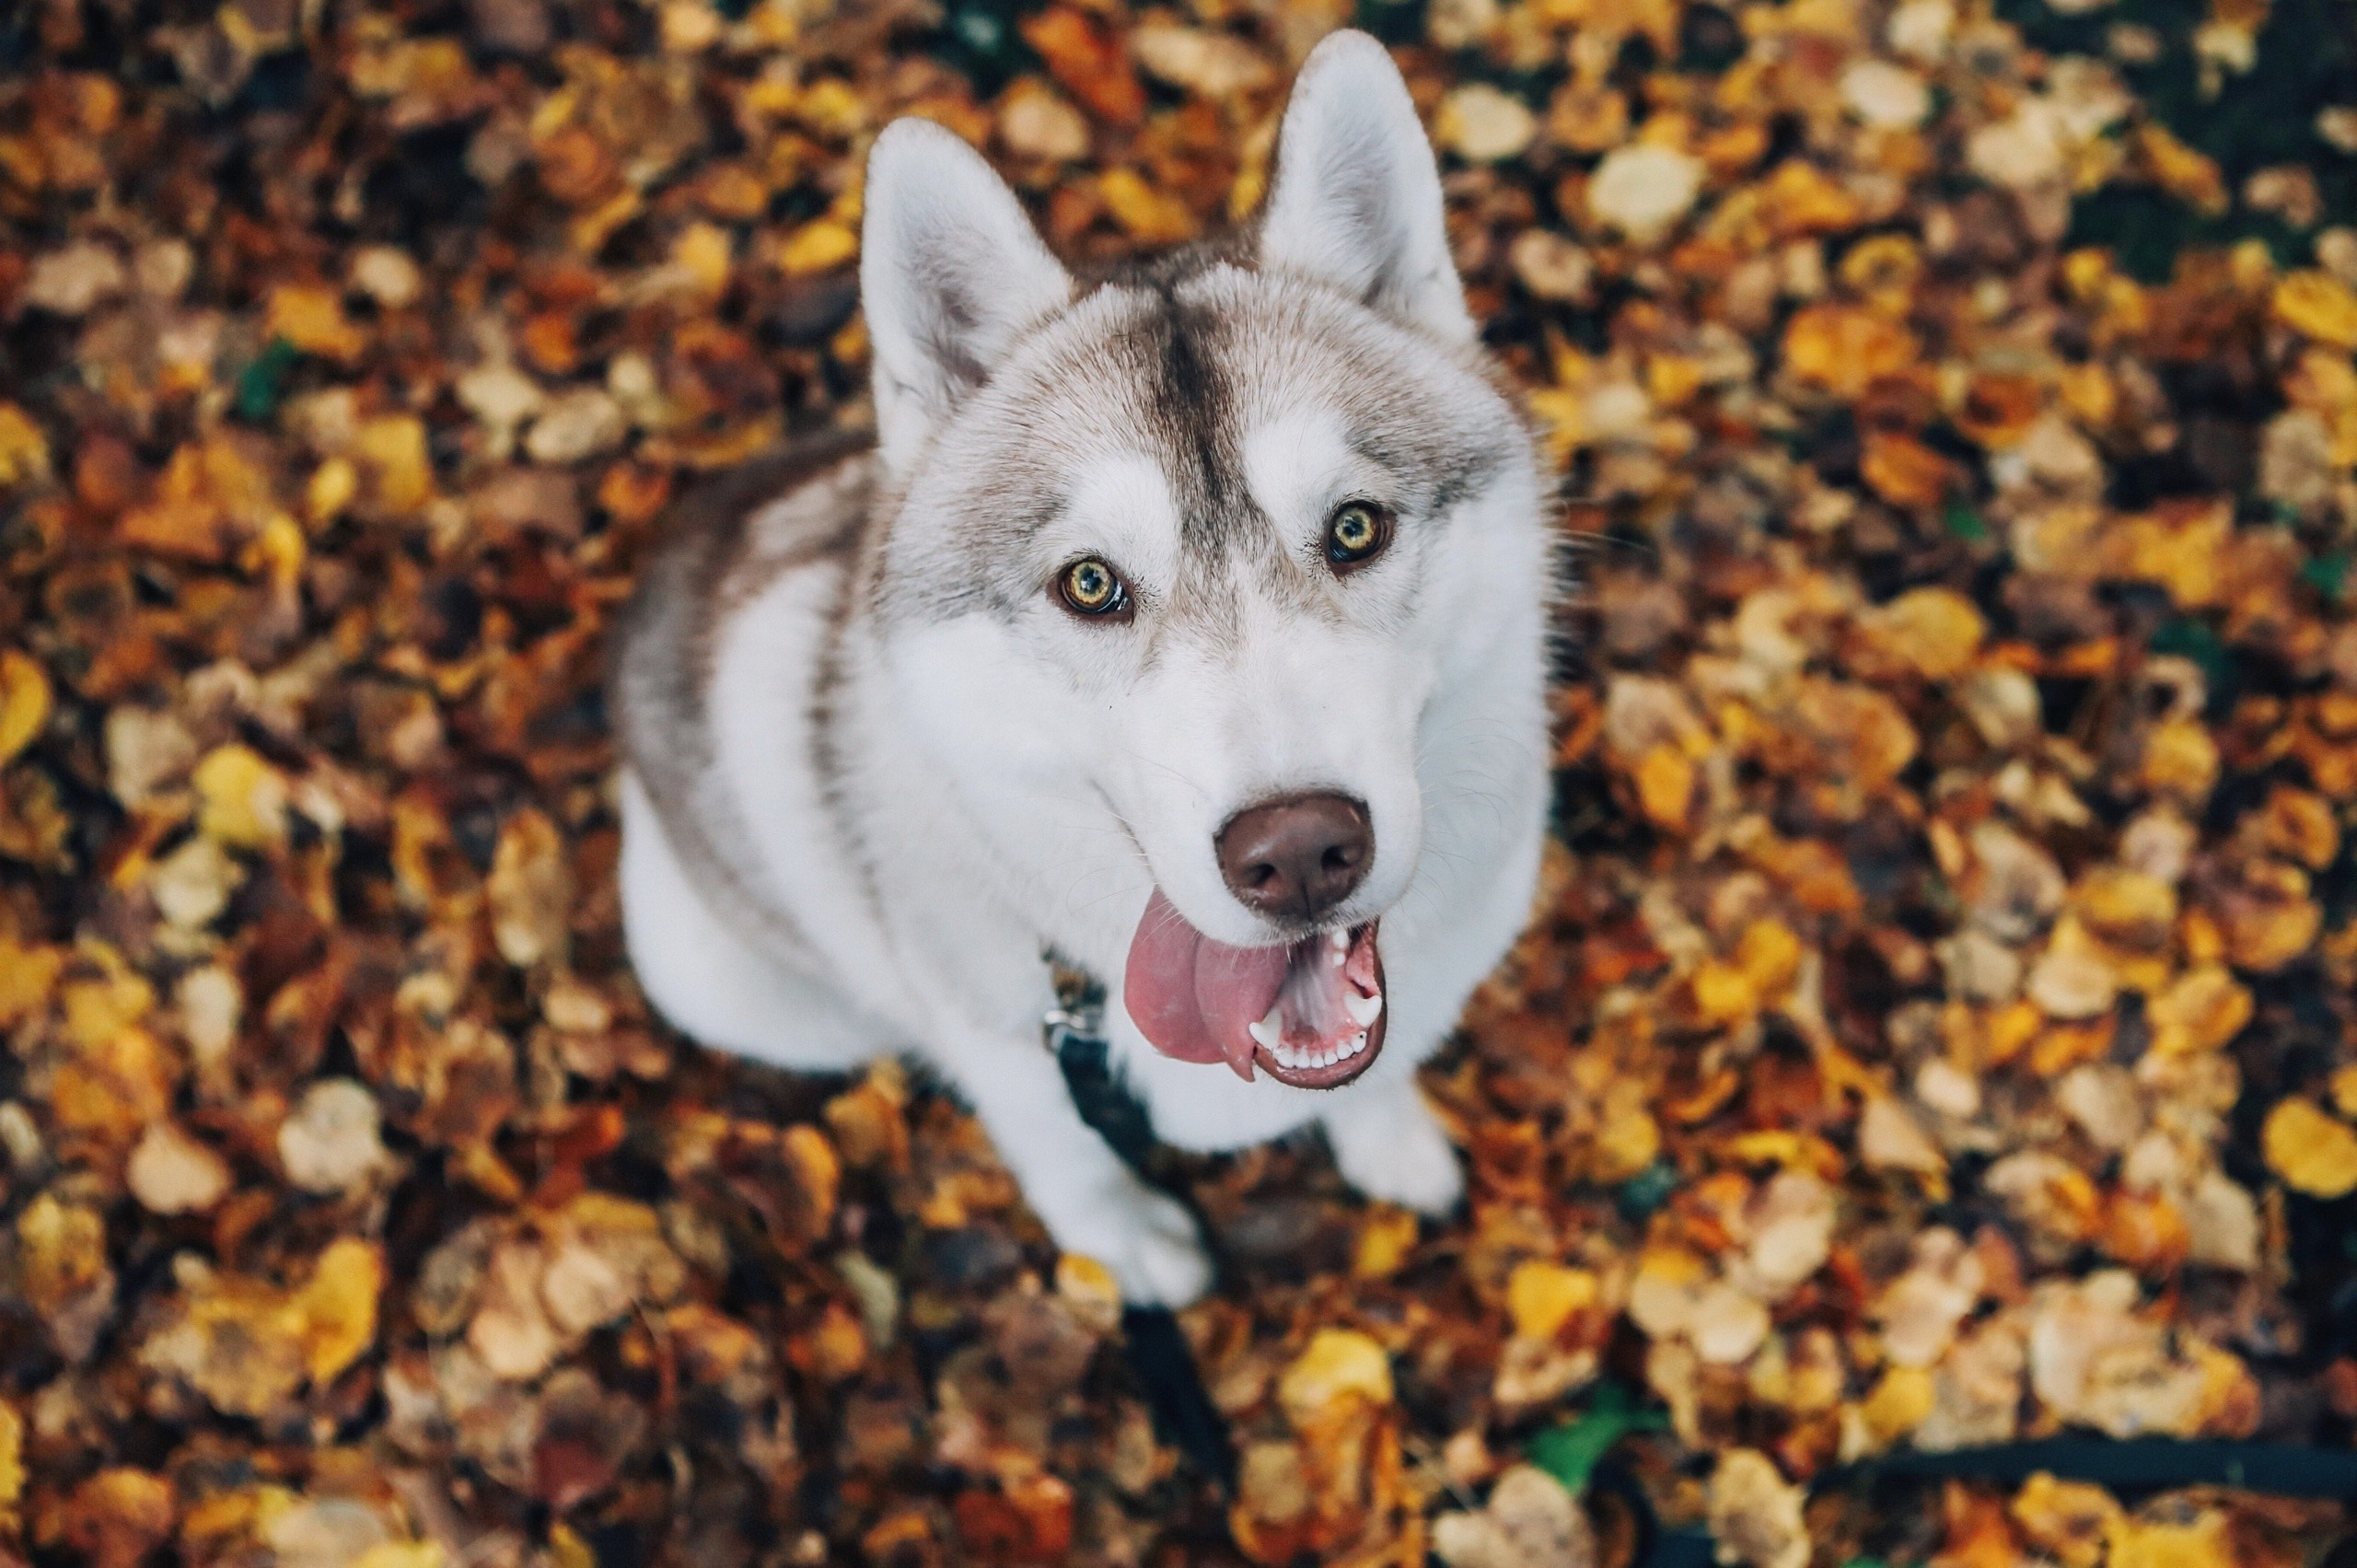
1016	780
1356	199
946	257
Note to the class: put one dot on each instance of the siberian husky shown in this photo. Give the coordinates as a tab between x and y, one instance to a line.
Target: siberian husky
1187	624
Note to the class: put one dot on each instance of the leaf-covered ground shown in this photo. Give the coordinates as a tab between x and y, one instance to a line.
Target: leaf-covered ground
1937	1029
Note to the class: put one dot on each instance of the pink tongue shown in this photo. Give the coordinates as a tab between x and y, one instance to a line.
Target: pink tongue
1194	998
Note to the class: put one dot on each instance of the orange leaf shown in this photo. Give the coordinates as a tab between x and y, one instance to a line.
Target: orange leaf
1902	471
1090	65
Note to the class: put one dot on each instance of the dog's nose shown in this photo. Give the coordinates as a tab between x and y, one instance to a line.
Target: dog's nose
1297	856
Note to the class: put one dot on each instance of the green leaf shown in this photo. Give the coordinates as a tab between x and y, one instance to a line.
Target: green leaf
2197	640
1648	1190
1570	1452
2329	575
1964	522
259	384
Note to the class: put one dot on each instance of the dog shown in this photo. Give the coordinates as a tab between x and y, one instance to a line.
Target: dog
1188	625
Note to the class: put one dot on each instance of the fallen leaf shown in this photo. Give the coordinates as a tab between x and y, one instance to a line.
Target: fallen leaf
2312	1151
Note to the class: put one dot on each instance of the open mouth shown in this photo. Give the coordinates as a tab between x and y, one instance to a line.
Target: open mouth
1309	1013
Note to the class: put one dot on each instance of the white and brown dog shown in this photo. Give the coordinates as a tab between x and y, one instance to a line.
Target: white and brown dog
1190	624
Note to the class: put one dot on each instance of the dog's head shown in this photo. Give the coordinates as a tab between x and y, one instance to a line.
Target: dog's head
1184	556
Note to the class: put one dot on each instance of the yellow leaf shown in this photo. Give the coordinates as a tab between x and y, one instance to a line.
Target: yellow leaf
24	702
701	252
244	799
2089	392
1251	184
1774	1145
99	1008
2312	1151
1666	787
61	1251
12	1460
1769	955
531	890
339	1306
1386	1237
2180	759
394	445
818	1167
1543	1296
2202	1544
2187	174
333	486
832	107
1089	1286
1564	414
113	1088
1805	200
1147	215
568	1550
1899	1403
1341	1364
2070	1519
1935	633
312	319
402	1555
277	552
1628	1143
1724	993
27	975
1671	379
24	450
816	247
2320	305
2201	1010
1845	349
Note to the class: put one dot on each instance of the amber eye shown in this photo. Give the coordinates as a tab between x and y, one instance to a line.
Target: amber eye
1090	587
1357	534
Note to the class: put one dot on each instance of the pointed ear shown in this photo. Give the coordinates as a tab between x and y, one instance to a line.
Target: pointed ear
950	273
1356	199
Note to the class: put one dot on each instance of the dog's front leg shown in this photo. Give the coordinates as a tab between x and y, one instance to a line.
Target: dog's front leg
1388	1143
1091	1202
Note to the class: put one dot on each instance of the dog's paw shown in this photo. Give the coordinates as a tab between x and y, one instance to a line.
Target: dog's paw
1148	1240
1401	1157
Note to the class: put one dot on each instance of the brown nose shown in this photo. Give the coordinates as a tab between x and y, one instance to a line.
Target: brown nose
1297	856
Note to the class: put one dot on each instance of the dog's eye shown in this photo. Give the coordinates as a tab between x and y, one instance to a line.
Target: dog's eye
1090	587
1357	534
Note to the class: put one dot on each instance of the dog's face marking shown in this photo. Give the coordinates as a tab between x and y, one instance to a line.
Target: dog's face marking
1188	433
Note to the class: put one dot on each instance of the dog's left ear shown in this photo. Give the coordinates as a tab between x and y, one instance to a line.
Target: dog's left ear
950	273
1356	199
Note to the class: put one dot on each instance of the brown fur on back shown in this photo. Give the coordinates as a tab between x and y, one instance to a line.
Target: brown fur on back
729	540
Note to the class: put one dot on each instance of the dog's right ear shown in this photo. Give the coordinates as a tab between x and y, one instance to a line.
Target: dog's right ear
950	273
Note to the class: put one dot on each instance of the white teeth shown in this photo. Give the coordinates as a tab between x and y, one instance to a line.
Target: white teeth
1364	1010
1313	1061
1270	1034
1340	940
